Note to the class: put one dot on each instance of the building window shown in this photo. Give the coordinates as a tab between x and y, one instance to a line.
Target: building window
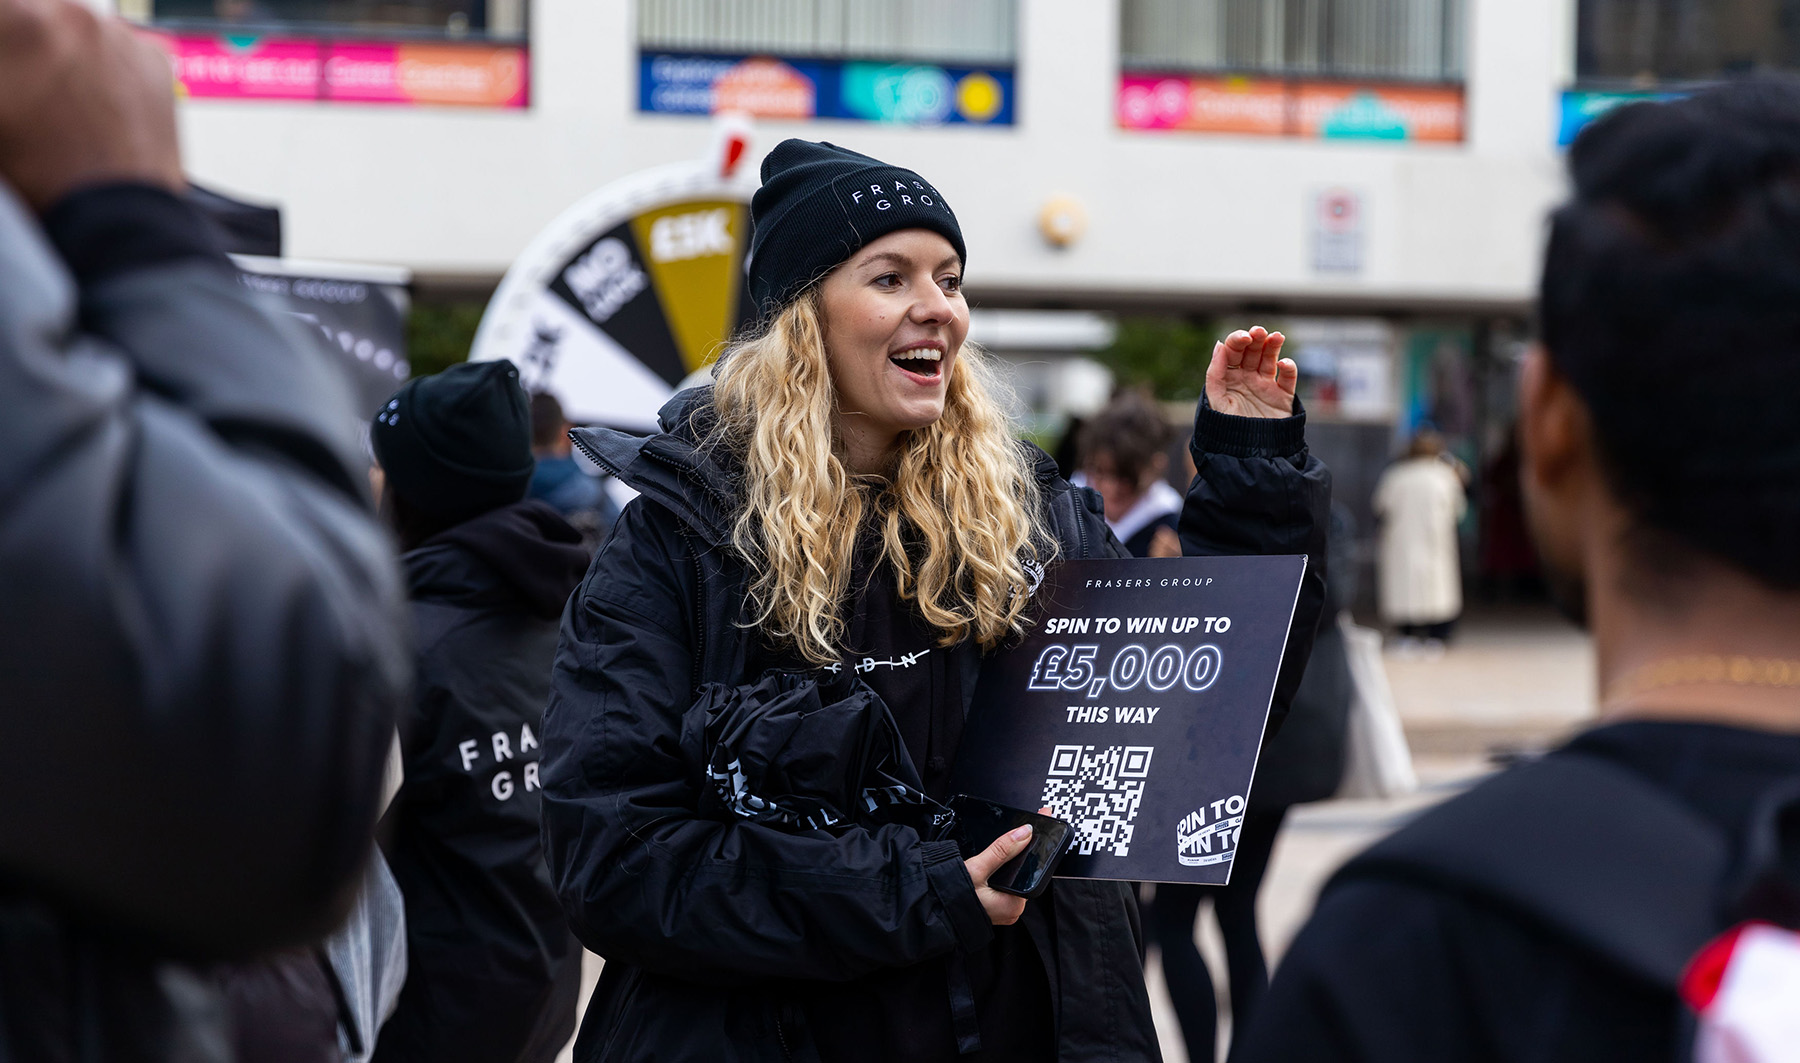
452	20
1646	43
970	32
457	53
1386	40
1632	50
904	62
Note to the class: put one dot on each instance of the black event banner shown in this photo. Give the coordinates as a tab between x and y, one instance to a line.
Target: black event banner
1135	709
363	322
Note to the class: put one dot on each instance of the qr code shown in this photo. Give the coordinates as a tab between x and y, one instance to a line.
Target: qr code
1098	789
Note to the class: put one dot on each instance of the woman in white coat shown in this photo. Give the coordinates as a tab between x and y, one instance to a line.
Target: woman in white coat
1419	501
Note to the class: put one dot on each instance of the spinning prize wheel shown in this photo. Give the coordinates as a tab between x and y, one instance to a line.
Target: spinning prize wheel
629	291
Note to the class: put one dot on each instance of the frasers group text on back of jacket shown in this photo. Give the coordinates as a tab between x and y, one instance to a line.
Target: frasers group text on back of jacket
501	745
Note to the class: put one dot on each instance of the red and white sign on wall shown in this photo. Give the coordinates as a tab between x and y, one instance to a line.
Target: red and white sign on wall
1337	231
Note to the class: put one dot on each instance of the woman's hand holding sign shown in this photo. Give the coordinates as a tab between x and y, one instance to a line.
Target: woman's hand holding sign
1249	378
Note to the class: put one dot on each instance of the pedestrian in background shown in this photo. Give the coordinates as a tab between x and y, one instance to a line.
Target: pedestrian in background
201	637
1124	456
1419	501
492	970
847	504
559	479
1562	911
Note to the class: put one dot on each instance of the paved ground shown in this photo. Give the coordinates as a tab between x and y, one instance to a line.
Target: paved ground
1512	680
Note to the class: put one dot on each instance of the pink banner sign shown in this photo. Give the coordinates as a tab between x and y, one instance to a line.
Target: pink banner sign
1325	110
270	68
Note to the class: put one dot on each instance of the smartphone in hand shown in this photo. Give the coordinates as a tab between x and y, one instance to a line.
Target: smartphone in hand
980	821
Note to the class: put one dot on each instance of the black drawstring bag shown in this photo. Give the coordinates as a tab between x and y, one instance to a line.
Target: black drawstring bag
805	751
809	751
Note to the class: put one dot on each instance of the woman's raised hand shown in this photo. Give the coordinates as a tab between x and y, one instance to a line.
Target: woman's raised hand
1249	378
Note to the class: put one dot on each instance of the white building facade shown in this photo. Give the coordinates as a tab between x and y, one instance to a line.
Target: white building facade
1372	176
1066	197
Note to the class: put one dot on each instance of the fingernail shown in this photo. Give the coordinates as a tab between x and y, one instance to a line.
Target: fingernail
1019	834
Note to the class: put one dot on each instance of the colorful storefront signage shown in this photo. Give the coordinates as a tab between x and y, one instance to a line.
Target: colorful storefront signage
1320	110
293	68
899	93
1579	108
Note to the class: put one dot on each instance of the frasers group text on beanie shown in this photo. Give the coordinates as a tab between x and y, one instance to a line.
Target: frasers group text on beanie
819	204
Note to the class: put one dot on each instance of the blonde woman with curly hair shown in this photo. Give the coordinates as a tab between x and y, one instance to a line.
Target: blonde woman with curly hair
842	528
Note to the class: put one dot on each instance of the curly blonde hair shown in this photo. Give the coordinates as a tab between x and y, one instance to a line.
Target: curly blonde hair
959	521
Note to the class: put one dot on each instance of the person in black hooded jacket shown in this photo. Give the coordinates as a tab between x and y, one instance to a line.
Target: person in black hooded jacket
492	970
845	502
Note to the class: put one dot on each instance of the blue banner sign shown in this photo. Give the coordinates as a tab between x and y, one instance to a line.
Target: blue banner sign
771	87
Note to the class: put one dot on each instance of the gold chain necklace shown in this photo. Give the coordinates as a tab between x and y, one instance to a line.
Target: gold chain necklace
1706	669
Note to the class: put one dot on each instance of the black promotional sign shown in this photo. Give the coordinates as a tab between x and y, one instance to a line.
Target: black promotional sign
1135	710
362	320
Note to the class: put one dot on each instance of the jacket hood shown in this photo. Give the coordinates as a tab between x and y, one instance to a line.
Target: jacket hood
671	467
702	485
522	556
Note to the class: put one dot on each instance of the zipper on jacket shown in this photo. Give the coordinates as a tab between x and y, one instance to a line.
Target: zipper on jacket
594	455
1081	524
687	537
781	1018
656	456
1077	511
690	470
699	655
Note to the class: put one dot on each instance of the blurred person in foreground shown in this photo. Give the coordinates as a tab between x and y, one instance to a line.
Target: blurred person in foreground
560	480
200	617
1551	913
1124	456
1419	500
492	970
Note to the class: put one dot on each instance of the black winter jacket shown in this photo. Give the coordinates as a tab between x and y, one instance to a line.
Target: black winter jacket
492	970
201	631
1305	762
712	931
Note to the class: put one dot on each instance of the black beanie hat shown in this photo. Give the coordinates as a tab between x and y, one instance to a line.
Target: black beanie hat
819	204
458	443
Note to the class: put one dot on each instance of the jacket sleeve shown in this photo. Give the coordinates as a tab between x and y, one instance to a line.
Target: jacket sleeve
642	877
201	619
1257	490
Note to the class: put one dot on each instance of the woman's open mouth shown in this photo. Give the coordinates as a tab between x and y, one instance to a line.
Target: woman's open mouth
926	363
